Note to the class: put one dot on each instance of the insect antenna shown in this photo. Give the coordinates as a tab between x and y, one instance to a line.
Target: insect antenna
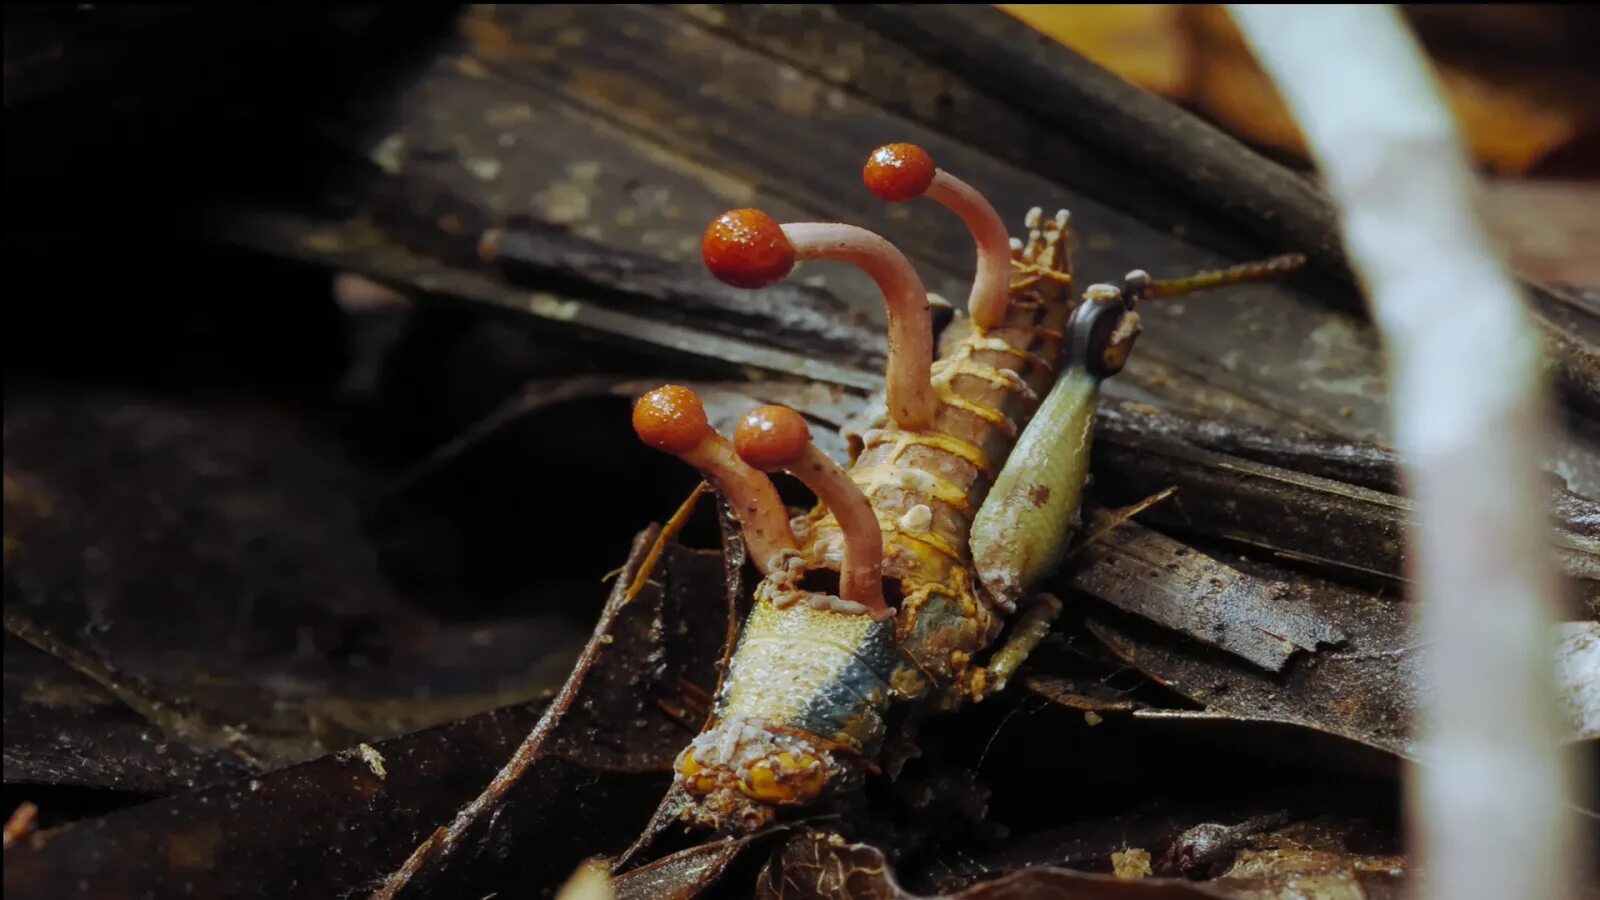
1138	285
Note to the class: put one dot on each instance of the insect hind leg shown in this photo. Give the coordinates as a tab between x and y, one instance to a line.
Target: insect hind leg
1029	629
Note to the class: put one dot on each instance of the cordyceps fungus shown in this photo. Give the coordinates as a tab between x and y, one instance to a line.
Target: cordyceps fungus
900	172
672	419
748	248
776	437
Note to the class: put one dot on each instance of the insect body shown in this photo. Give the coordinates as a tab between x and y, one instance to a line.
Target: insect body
898	583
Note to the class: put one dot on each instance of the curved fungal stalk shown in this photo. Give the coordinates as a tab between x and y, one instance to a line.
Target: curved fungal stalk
899	172
748	248
776	437
672	419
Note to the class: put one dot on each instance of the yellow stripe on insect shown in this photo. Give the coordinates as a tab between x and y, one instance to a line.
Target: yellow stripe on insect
963	364
999	345
904	440
874	478
989	414
894	530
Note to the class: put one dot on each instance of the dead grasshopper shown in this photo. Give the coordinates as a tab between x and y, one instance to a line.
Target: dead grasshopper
962	493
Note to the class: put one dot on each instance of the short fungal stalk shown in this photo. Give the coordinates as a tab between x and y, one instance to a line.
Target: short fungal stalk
672	419
900	172
776	437
748	248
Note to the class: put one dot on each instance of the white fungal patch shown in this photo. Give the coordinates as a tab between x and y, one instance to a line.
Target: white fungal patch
847	607
915	480
782	587
735	742
991	342
1127	328
830	603
374	760
1017	384
917	518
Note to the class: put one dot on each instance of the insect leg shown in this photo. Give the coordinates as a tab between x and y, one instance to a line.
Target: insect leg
1023	526
1030	628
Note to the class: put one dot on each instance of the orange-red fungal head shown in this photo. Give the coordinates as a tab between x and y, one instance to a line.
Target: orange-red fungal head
747	248
898	172
671	419
771	437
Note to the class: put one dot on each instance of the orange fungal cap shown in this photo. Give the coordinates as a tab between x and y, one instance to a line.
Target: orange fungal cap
671	418
898	172
770	437
747	248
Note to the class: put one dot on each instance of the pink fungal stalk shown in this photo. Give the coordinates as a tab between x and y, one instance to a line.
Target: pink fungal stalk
776	437
748	248
900	172
672	419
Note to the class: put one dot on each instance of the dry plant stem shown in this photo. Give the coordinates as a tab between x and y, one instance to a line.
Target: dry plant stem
1471	422
911	400
987	302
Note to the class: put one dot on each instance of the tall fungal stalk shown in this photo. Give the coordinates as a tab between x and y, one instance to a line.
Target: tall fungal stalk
748	248
899	172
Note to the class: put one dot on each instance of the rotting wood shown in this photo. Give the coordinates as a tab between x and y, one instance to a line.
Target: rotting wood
1363	464
358	247
1147	574
790	317
1302	516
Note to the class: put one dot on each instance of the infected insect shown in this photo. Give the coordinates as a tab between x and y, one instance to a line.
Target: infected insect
898	587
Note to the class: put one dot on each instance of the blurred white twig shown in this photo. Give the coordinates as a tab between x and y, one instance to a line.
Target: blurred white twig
1469	402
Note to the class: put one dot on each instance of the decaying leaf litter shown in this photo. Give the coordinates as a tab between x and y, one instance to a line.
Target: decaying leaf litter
1168	713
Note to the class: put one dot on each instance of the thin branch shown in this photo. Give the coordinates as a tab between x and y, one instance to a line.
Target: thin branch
1471	423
